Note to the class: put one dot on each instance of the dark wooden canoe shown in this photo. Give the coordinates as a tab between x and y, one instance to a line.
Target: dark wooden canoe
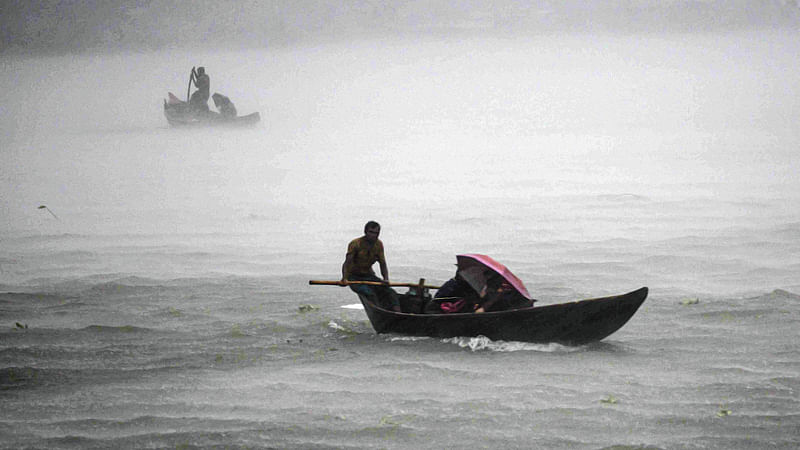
574	323
180	114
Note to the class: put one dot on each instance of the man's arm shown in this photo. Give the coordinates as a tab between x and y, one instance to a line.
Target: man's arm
384	270
350	256
382	263
348	261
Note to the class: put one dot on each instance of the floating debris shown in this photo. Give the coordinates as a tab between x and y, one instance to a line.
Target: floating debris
21	326
724	413
690	301
48	210
343	328
388	420
307	308
609	399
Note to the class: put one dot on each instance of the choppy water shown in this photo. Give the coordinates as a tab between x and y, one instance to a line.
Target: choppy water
162	308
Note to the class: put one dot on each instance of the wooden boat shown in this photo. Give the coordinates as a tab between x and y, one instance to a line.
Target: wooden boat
573	323
180	114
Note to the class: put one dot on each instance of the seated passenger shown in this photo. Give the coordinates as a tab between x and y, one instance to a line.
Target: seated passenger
455	295
224	105
499	295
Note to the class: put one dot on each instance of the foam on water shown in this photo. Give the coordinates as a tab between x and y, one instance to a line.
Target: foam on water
483	343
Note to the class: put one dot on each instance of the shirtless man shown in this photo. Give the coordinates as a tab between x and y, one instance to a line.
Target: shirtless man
362	254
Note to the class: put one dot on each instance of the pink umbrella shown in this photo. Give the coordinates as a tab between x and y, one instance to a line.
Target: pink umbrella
472	268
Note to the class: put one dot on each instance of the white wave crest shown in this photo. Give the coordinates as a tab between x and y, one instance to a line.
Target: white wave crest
353	306
484	343
407	338
336	326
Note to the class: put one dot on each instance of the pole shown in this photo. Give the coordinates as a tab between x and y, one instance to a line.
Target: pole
192	76
370	283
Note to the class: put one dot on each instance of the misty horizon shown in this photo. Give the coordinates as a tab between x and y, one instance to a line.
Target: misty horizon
35	27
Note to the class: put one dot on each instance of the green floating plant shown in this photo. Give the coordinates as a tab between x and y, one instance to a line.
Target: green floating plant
690	301
609	399
724	412
236	331
307	308
388	420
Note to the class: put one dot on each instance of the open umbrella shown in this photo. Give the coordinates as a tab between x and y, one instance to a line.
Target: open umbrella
473	268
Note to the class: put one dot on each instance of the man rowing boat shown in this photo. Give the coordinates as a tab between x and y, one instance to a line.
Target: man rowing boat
202	81
362	254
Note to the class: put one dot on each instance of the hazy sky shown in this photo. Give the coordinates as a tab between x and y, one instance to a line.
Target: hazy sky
66	26
659	106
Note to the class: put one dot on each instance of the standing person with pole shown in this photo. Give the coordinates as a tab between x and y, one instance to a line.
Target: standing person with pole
202	82
362	254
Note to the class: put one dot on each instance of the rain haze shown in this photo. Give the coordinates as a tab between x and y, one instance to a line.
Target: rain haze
154	279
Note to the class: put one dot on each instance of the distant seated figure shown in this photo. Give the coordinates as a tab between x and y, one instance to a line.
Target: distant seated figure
199	98
224	105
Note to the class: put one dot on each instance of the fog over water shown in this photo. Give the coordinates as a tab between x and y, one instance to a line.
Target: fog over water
593	148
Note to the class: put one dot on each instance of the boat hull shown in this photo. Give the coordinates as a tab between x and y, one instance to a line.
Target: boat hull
181	115
574	323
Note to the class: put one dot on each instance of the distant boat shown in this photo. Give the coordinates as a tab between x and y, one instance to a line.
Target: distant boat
180	113
573	323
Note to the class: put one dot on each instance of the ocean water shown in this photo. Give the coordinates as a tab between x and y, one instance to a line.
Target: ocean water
156	301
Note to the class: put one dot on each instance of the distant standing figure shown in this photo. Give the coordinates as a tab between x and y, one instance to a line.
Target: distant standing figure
362	254
199	99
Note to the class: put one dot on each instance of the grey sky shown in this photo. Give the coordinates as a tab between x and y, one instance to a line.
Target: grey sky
69	26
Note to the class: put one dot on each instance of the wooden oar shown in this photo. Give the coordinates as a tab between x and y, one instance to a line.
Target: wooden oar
372	283
192	77
48	210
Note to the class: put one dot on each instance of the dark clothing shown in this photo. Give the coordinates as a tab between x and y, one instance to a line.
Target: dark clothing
383	296
455	287
224	105
455	295
199	99
508	299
